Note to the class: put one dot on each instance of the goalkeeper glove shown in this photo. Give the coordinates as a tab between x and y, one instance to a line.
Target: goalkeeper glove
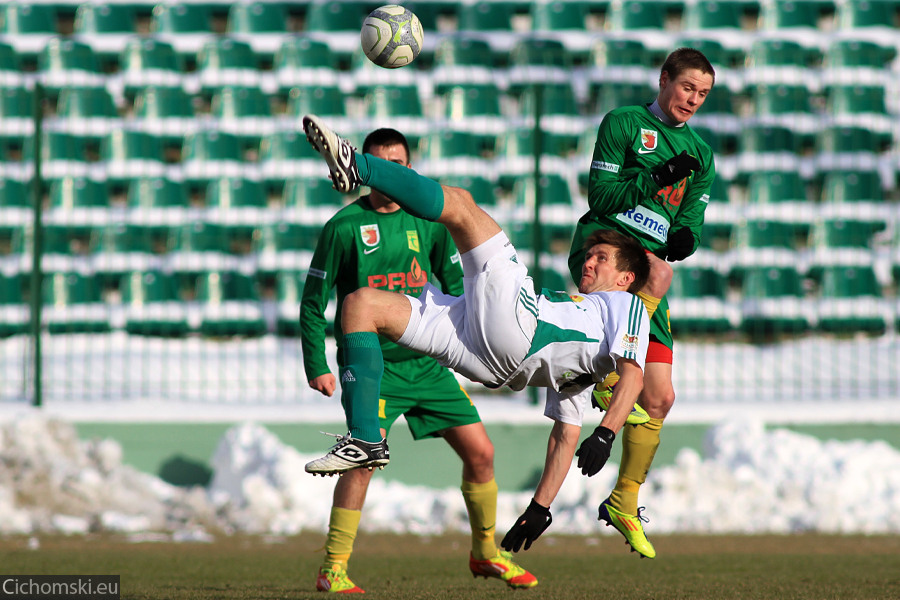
680	244
594	450
529	527
675	169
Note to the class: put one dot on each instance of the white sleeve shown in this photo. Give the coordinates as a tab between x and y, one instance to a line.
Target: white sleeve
628	328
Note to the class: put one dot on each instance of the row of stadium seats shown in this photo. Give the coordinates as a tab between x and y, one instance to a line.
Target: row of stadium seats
482	15
765	300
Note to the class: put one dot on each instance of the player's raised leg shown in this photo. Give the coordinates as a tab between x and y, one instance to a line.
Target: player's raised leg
454	207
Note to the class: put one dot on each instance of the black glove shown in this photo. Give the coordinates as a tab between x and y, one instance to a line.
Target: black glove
675	169
529	527
680	244
594	450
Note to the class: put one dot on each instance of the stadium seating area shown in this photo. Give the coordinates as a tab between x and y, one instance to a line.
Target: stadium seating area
179	198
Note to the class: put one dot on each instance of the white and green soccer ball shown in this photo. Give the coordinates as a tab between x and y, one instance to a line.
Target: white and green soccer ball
391	36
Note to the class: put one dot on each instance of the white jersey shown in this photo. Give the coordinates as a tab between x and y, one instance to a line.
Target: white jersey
578	339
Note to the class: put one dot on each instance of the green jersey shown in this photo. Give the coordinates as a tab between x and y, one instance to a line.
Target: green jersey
359	247
632	141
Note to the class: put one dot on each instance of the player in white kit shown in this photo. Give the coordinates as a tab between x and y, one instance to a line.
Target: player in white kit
501	331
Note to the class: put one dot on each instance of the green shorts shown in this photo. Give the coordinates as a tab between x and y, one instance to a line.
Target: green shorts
427	394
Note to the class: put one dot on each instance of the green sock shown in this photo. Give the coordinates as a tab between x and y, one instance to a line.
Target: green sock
418	195
361	384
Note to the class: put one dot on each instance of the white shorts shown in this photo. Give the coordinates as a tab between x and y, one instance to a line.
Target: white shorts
485	333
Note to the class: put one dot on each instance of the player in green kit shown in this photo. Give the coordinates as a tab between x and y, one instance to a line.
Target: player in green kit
372	243
650	178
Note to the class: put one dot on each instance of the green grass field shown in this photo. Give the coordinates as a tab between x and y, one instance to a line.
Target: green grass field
813	567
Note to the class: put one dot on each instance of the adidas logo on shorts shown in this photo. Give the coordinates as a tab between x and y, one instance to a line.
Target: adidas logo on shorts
347	377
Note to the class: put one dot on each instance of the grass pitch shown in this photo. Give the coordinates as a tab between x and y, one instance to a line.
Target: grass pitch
802	567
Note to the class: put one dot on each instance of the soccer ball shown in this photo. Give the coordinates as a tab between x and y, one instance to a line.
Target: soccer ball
391	36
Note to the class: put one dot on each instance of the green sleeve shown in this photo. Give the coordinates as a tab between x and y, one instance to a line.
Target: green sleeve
320	280
611	187
446	263
693	206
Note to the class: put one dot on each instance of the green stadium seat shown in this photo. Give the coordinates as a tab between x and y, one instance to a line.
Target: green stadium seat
640	14
230	193
147	61
769	138
153	306
721	56
27	26
393	101
852	53
16	116
856	99
769	240
556	100
305	63
555	238
790	14
10	63
317	100
187	26
63	154
772	303
483	15
72	193
286	246
697	300
201	247
304	194
780	52
65	62
850	301
230	305
759	234
14	193
243	111
519	142
784	104
463	59
105	27
257	18
120	248
481	188
536	60
225	62
210	154
289	293
564	15
15	315
156	192
843	233
554	190
868	13
854	146
615	95
620	52
286	154
129	154
89	111
73	304
344	16
166	111
774	187
712	14
852	186
448	144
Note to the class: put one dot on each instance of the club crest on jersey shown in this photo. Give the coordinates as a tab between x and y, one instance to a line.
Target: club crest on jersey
412	240
649	138
630	342
370	235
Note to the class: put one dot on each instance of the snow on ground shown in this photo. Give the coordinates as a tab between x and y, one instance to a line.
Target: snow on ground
749	479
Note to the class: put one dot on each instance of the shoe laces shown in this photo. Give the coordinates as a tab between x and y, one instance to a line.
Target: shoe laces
342	439
640	516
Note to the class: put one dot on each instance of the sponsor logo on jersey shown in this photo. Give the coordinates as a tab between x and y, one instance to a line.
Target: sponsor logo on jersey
416	277
455	258
645	220
649	139
576	298
369	234
605	166
370	250
704	198
317	273
412	240
630	342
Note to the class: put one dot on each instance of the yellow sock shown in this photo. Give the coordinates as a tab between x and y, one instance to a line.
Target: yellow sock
342	528
651	303
639	444
481	502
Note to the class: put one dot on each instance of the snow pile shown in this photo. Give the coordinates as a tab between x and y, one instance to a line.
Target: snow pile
51	481
750	480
